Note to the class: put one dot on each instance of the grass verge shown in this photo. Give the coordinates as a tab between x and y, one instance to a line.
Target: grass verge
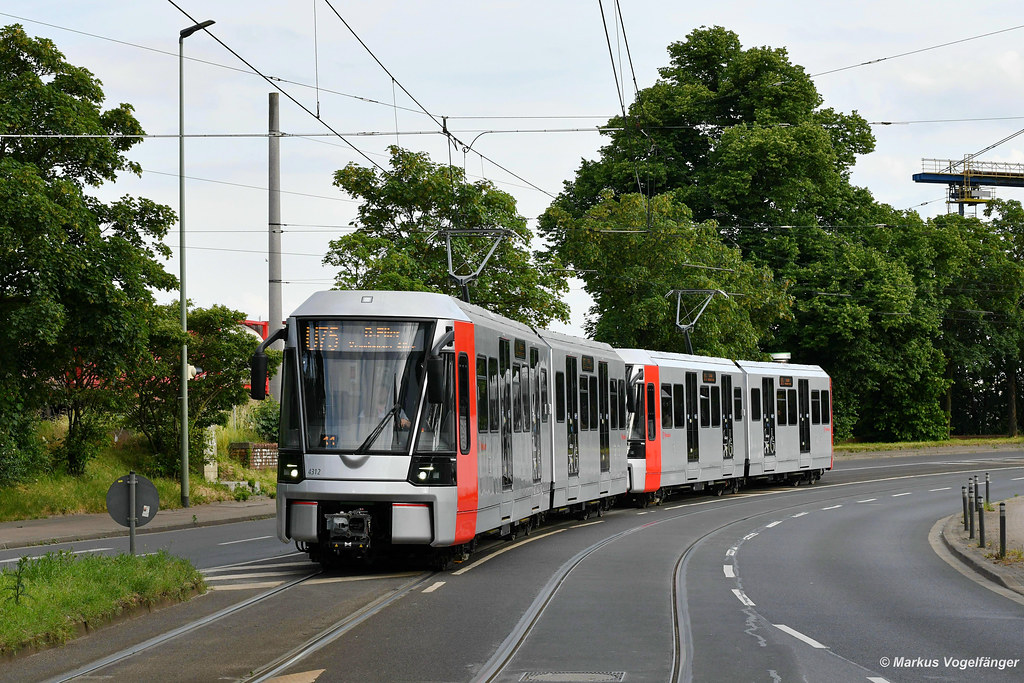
56	493
984	442
45	601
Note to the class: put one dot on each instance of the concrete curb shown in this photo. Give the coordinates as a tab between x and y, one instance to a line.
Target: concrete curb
950	536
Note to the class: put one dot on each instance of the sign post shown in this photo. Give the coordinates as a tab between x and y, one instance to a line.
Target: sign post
132	501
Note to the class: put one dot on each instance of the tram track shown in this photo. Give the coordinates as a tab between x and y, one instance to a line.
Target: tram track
497	665
163	638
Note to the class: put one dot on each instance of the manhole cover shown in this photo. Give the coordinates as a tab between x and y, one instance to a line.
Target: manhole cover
574	676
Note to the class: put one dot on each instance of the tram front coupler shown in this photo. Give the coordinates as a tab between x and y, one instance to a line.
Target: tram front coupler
350	529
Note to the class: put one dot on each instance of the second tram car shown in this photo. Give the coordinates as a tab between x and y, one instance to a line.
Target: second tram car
414	420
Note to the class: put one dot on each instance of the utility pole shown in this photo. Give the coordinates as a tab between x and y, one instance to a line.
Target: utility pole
275	228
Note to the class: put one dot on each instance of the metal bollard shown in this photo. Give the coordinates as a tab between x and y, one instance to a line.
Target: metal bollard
970	506
981	522
988	487
1002	530
963	493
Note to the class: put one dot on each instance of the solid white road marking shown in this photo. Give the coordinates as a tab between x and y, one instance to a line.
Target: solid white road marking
73	552
580	526
490	557
433	587
832	507
253	575
304	565
245	540
897	495
799	514
867	500
876	679
749	536
944	488
730	573
730	552
796	634
1017	478
742	597
773	524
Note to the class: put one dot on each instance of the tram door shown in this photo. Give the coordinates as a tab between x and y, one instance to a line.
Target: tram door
505	392
728	461
804	418
603	421
768	422
572	417
692	428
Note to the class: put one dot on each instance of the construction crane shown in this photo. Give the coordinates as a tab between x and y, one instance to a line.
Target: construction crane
968	178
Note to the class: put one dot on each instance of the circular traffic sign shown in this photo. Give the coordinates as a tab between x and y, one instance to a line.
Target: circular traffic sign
147	500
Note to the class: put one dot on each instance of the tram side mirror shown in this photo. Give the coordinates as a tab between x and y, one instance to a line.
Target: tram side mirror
258	376
435	379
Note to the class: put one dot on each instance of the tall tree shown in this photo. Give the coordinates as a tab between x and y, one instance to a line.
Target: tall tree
742	135
219	350
76	274
397	246
631	252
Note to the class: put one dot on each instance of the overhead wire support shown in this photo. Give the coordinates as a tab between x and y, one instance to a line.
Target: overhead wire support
464	280
687	327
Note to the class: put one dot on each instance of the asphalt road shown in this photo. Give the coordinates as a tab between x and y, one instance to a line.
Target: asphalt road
743	587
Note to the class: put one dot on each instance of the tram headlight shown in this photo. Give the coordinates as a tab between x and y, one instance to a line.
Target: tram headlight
289	467
432	470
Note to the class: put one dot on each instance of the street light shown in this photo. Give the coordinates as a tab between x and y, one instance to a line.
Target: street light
183	301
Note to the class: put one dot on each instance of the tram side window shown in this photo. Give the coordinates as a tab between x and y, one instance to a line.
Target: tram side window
463	403
584	404
614	408
678	407
559	396
525	398
780	407
517	400
826	408
705	406
652	425
595	423
815	407
492	393
544	412
737	404
622	404
666	406
792	406
716	406
481	395
755	405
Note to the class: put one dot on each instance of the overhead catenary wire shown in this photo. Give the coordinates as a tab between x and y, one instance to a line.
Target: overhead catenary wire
434	118
279	89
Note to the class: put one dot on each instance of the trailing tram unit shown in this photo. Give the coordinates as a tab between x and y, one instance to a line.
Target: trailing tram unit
413	420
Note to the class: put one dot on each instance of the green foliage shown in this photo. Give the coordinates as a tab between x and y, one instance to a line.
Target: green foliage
21	452
76	275
17	582
396	247
68	590
219	349
264	419
632	251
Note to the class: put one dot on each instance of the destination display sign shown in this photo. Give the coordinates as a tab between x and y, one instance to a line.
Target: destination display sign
338	336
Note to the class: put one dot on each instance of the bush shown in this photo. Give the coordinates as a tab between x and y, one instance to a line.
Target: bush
21	451
264	419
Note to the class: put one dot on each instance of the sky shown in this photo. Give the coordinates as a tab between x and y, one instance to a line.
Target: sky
524	83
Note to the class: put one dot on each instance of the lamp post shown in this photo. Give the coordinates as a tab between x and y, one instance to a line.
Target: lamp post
183	301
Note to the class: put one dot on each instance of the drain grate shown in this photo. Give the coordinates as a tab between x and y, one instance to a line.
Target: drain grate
573	676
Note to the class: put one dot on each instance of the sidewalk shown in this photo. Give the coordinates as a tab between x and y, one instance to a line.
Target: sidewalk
985	560
69	528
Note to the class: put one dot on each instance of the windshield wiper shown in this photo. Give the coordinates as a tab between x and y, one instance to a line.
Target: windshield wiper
378	429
